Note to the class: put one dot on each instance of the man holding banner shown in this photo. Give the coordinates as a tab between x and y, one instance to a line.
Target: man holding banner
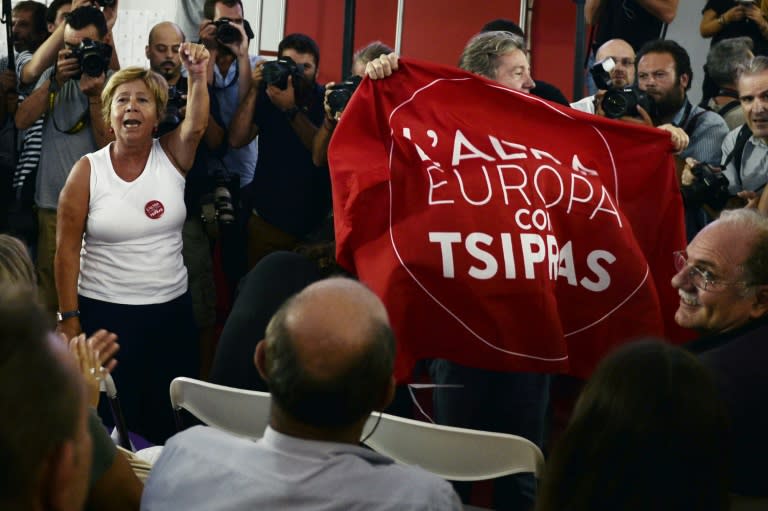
509	237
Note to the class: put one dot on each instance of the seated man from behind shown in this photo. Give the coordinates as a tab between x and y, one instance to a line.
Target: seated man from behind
722	280
44	443
327	359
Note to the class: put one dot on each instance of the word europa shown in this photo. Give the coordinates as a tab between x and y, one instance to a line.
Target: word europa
515	185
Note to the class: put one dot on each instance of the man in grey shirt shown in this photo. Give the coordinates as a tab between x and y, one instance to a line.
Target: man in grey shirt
749	172
327	358
71	101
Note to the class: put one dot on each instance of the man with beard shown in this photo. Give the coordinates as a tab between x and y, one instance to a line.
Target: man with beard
29	29
664	73
290	195
622	75
162	51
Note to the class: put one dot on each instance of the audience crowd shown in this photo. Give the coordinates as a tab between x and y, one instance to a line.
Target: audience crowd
168	204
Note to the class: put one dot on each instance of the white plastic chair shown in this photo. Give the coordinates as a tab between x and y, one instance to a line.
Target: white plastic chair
241	412
452	453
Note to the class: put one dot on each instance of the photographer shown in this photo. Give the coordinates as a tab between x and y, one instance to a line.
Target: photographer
162	52
69	94
725	62
621	75
745	156
226	34
290	194
726	19
664	74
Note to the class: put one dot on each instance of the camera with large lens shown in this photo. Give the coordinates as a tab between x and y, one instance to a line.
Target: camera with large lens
619	102
709	187
217	207
340	95
276	72
177	99
624	102
227	33
93	57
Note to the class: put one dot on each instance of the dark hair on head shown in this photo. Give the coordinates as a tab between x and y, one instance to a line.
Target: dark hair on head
40	398
727	59
38	14
53	10
678	53
85	16
649	431
209	7
371	51
504	25
337	401
300	43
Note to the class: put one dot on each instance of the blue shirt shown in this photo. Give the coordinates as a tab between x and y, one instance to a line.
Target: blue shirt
207	469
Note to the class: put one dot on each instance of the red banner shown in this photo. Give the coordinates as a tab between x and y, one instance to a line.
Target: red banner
502	231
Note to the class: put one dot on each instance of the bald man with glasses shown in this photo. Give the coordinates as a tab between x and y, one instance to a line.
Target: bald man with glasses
722	280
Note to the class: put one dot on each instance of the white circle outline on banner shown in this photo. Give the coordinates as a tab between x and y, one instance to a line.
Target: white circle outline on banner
435	299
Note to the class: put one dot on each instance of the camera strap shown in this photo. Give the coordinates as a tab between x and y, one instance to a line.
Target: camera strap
738	151
688	124
79	125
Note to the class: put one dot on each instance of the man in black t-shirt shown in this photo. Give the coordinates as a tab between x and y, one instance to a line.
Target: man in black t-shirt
635	21
290	196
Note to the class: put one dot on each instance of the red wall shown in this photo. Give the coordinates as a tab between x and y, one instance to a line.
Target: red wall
436	30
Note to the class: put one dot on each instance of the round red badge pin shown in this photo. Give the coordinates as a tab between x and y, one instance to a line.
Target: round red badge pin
154	209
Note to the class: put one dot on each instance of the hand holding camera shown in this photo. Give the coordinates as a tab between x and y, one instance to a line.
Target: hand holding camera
736	13
337	95
619	102
67	67
704	184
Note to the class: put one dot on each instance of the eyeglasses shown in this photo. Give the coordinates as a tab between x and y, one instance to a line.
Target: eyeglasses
702	279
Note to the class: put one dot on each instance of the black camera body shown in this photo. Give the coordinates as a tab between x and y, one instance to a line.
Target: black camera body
176	101
710	187
624	102
341	93
227	33
93	57
619	102
276	72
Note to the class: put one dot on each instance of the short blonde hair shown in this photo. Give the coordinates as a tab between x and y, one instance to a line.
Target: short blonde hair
15	264
481	55
154	82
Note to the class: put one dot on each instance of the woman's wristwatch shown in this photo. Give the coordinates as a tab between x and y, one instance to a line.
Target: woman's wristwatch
63	316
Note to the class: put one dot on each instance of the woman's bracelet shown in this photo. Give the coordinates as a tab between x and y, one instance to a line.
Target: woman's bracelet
722	20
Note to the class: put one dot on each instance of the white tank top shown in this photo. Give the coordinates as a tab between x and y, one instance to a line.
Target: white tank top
132	247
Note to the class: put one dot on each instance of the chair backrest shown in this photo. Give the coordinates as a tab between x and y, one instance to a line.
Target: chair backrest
241	412
452	453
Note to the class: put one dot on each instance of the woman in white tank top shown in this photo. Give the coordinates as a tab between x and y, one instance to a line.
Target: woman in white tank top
118	253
